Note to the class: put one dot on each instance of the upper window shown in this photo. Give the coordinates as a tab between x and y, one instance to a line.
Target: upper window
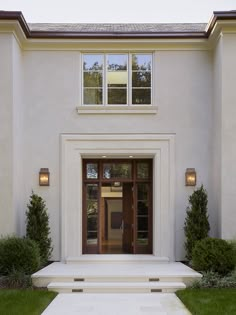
117	79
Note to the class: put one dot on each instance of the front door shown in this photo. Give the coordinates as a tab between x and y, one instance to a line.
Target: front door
117	206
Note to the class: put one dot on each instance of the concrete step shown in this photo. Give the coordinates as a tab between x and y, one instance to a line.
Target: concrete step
114	272
115	287
116	259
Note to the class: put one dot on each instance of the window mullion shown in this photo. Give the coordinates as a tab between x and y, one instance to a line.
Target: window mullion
82	79
105	80
130	79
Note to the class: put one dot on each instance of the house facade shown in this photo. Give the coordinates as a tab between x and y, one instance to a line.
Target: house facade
117	113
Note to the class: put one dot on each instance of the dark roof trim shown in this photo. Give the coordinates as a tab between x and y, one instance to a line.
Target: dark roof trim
17	15
219	16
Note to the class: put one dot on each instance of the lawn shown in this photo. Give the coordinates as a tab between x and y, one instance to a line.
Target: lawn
27	302
209	301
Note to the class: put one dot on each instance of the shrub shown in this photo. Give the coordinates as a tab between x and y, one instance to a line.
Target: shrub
233	243
212	254
18	254
37	226
196	226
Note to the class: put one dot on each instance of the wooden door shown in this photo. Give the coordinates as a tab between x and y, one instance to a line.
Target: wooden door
128	218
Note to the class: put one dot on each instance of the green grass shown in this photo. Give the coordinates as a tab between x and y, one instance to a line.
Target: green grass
24	302
209	301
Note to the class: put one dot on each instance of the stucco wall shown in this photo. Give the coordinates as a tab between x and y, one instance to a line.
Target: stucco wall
18	148
11	111
7	211
228	202
52	91
215	164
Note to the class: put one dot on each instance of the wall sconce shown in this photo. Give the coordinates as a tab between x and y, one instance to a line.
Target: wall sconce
44	177
190	177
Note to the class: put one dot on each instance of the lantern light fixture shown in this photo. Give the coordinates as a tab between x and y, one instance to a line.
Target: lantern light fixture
44	177
190	177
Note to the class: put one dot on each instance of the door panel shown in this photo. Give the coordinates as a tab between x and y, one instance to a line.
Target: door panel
127	218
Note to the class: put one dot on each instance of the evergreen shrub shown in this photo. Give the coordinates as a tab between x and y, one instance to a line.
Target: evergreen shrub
37	226
18	255
212	254
196	226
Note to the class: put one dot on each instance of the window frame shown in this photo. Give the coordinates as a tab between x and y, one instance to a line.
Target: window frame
105	81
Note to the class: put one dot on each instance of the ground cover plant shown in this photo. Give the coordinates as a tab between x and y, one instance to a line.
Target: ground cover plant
211	279
24	302
209	301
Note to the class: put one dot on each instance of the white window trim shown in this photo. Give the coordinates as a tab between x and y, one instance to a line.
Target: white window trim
115	109
128	108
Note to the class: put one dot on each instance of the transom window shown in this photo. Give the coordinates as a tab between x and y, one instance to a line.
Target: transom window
117	79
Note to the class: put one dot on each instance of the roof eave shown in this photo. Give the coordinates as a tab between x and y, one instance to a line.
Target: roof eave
17	15
115	35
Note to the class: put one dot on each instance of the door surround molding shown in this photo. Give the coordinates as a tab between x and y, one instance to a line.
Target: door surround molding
75	147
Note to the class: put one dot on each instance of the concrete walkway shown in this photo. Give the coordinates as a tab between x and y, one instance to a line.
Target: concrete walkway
116	304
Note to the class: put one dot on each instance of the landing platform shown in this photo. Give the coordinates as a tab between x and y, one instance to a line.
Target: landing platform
118	271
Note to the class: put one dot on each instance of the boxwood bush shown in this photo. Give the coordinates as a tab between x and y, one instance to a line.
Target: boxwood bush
18	254
212	254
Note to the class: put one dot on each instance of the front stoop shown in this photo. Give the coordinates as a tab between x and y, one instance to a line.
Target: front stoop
115	277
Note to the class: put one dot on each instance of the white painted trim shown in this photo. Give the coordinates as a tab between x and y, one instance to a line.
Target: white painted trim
114	109
160	147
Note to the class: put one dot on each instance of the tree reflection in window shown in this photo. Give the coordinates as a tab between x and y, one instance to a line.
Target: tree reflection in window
91	170
117	170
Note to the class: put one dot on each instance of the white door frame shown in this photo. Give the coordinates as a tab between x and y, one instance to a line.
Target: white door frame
161	148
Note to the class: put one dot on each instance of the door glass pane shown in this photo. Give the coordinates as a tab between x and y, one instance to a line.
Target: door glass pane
142	238
142	208
143	223
91	170
117	170
92	213
143	192
142	170
142	213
